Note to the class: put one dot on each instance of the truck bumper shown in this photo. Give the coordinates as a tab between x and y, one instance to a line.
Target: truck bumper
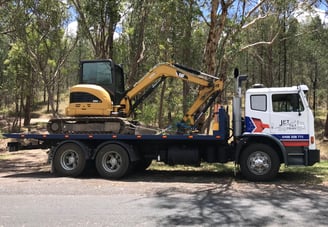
313	156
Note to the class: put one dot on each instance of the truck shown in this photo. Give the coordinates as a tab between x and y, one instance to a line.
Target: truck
275	127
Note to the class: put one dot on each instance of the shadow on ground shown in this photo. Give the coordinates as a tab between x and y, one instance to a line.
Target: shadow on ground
32	170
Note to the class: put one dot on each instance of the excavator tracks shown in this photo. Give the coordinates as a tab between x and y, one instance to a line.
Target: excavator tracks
95	125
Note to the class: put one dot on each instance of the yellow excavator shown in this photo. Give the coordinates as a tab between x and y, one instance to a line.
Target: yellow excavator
100	103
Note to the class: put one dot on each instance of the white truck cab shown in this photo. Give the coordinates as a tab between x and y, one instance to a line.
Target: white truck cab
284	115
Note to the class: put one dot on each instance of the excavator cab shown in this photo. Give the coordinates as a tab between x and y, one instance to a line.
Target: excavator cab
100	89
106	74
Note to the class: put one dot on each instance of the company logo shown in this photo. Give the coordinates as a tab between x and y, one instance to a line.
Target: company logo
255	125
290	125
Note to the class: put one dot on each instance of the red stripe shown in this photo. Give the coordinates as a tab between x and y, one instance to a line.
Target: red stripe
295	143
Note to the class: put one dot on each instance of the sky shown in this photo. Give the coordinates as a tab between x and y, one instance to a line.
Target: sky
301	15
305	16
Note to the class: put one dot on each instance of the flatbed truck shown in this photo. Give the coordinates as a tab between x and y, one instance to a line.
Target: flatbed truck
277	128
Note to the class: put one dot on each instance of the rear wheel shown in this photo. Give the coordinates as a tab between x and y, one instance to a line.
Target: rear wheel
112	161
69	160
259	162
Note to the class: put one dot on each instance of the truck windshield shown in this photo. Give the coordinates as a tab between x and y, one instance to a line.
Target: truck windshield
97	73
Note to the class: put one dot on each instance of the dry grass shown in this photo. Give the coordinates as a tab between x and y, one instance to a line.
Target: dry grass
323	147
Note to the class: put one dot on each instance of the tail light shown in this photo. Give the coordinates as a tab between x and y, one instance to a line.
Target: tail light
312	139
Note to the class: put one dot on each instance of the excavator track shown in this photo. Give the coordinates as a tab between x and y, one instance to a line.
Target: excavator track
94	125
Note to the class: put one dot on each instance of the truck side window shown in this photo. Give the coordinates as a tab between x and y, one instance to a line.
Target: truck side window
287	103
259	102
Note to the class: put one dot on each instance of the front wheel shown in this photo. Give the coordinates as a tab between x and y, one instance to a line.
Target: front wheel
112	161
259	162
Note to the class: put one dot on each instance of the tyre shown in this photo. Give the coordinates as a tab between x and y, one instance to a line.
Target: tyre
112	161
259	162
69	160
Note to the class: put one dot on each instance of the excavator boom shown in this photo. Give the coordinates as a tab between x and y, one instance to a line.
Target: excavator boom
208	86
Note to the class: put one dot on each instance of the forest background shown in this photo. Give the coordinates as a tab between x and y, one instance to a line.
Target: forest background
274	42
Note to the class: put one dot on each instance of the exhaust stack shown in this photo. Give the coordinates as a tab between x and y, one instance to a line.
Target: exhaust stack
236	106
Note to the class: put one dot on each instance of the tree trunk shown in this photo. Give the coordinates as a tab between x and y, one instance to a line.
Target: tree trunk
138	46
186	56
315	88
27	110
217	25
161	103
58	97
326	128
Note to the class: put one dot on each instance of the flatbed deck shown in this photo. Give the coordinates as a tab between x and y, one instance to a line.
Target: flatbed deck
110	137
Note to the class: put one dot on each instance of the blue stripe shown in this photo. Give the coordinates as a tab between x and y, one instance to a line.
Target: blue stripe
292	137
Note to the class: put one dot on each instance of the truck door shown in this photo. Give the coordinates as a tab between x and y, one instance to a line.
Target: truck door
257	115
288	120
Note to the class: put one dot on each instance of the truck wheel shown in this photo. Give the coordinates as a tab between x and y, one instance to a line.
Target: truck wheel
112	161
259	162
69	160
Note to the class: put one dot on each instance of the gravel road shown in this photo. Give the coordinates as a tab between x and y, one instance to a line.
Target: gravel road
31	196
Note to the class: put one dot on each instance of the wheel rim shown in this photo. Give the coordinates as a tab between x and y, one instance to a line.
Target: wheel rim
259	163
111	161
69	160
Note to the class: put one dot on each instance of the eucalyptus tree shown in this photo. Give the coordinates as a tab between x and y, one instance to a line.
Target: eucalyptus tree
314	59
37	27
229	21
161	31
98	20
20	84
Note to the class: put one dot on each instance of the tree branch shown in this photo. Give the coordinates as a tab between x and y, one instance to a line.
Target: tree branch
260	43
254	21
255	8
202	15
141	56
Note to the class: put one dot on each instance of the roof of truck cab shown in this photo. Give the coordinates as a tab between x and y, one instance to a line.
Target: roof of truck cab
278	89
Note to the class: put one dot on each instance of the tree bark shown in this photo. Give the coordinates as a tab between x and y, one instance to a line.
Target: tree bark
326	128
137	53
186	56
217	25
161	109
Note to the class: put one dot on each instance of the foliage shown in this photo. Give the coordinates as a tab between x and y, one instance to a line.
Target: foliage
97	20
38	52
265	39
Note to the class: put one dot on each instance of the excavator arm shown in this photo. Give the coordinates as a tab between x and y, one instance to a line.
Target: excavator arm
209	85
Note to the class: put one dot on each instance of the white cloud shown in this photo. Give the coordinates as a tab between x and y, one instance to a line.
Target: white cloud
305	16
116	35
71	29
